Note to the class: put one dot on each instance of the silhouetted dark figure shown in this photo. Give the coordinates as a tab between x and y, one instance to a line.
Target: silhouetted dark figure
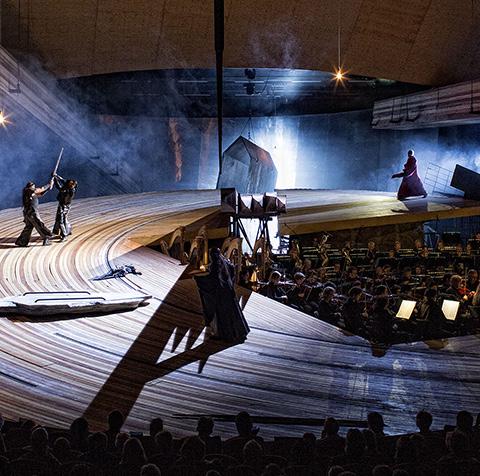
411	185
115	423
331	443
431	312
353	310
31	214
213	444
66	192
246	432
79	431
220	306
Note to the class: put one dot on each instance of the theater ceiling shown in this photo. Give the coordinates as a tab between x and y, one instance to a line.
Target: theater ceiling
417	41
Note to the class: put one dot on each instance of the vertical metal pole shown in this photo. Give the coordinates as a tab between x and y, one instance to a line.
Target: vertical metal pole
219	43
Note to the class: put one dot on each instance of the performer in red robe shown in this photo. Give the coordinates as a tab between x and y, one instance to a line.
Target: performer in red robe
411	185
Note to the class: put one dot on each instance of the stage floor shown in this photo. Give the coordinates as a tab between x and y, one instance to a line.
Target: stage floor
311	211
154	361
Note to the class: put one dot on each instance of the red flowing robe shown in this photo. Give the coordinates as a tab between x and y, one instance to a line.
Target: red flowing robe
411	185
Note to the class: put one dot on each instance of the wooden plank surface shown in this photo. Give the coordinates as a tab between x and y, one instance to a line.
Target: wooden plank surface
154	361
311	211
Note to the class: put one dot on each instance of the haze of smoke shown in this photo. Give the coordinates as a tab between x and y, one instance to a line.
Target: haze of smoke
324	151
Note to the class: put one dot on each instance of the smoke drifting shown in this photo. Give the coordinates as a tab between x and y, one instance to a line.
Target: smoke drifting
138	153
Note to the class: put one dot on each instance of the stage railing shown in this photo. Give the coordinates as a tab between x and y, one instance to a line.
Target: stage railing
437	179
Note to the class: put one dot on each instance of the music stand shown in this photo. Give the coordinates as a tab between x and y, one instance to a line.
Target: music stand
450	309
406	309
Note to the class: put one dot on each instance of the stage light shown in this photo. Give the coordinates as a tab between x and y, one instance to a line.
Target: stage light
3	119
339	76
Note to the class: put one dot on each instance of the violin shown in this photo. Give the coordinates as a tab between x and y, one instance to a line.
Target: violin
465	293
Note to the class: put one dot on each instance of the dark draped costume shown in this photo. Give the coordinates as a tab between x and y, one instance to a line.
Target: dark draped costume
220	306
411	185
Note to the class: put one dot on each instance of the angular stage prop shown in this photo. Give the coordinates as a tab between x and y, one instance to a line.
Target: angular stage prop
467	181
248	168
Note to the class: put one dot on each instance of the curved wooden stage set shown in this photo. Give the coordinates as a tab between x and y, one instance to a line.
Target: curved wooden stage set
155	361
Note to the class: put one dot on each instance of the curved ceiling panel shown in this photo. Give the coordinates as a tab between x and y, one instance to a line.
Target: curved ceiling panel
417	41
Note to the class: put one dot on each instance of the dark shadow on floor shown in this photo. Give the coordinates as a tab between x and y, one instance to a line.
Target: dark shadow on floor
416	205
412	205
178	316
9	239
61	317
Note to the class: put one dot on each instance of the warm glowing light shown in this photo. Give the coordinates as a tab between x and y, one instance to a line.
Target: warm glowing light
3	119
339	76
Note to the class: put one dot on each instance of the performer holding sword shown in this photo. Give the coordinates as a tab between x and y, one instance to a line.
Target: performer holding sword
31	214
66	192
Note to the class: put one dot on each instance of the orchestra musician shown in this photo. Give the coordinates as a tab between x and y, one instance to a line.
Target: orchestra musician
365	288
351	278
371	253
244	278
382	319
337	273
328	308
455	291
379	276
354	311
298	294
322	277
397	247
295	263
472	280
431	313
440	247
307	266
273	289
418	246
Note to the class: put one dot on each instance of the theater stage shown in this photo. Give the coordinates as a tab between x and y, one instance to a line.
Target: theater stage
154	361
311	211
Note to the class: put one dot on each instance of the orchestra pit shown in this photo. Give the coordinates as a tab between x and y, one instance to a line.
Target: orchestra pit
240	238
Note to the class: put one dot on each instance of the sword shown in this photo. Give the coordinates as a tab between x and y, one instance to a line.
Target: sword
58	163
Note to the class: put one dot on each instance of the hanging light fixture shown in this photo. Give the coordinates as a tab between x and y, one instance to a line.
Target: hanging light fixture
339	75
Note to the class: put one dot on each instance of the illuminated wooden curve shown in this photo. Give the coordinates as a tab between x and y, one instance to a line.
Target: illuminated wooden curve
154	361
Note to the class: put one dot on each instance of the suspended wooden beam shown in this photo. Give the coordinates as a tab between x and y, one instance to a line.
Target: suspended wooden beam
451	105
23	90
